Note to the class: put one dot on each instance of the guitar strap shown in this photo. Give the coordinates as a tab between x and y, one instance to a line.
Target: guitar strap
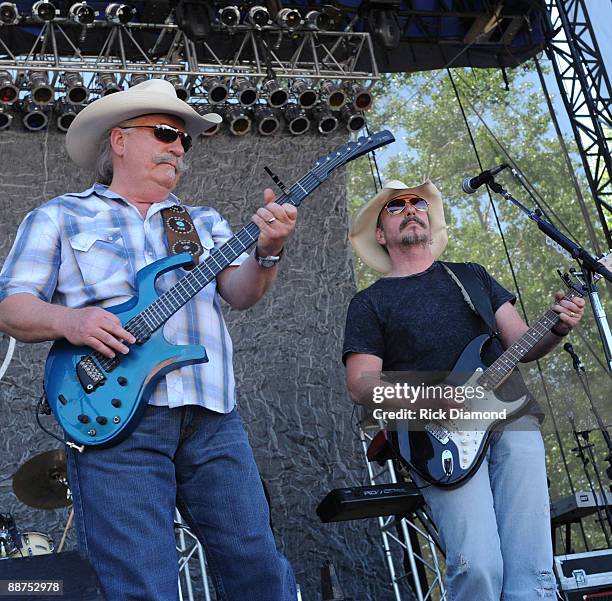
473	292
181	233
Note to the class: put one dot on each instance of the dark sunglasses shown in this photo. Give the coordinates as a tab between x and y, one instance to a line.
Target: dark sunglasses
397	205
167	134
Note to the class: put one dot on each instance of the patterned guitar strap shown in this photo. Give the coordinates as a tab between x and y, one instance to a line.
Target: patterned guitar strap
181	233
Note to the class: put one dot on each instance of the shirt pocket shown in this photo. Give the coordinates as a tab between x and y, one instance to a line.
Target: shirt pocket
100	255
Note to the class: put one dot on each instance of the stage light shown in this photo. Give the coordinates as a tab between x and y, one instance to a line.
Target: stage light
9	15
258	16
119	13
354	119
217	89
333	94
76	91
326	121
277	94
297	120
34	116
66	113
305	95
245	91
193	19
318	21
384	25
229	16
181	89
137	78
44	11
361	98
289	18
267	121
82	13
8	90
203	109
238	120
42	92
108	84
6	117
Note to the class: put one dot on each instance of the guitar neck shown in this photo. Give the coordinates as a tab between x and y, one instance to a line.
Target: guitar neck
158	312
501	368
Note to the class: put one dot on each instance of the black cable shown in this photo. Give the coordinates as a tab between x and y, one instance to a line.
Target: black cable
533	193
511	266
372	160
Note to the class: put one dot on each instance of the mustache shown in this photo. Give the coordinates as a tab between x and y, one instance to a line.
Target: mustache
180	164
410	218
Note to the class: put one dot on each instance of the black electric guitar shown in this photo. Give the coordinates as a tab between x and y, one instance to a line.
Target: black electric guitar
446	453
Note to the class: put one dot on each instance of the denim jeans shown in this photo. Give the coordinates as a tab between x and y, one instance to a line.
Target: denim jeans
201	462
496	527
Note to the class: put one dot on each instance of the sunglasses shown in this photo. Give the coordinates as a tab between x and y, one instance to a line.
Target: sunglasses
397	205
167	134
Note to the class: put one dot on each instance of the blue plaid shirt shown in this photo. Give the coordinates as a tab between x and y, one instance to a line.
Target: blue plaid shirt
84	249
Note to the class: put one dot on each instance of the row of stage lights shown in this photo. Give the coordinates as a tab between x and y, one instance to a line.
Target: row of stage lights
239	100
238	119
229	17
82	13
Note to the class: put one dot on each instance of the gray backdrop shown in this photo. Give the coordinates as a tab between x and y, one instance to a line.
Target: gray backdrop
287	349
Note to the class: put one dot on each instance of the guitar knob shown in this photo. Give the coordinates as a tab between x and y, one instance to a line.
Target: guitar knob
122	381
102	420
84	419
116	403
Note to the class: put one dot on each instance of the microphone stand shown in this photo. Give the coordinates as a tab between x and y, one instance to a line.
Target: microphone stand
599	498
582	378
588	264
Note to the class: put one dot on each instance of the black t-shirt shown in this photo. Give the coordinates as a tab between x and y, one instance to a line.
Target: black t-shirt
422	323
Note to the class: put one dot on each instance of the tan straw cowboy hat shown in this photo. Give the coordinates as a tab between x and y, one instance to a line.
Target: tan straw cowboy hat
363	230
149	97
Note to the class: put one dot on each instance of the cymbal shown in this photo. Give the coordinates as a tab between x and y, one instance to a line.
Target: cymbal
41	481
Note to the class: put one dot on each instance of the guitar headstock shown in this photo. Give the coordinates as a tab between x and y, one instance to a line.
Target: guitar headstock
348	152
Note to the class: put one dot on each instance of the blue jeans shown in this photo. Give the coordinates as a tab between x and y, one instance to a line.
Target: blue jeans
496	527
201	462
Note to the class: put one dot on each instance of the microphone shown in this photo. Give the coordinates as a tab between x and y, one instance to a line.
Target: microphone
471	184
575	358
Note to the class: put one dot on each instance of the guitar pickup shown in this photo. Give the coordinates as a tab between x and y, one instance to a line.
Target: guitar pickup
438	431
89	374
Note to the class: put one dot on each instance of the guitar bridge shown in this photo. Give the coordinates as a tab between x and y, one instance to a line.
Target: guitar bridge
89	374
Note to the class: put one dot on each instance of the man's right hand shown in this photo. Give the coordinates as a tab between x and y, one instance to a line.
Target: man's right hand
98	329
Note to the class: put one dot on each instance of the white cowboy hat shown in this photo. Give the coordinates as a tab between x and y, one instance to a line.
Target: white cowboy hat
363	230
152	96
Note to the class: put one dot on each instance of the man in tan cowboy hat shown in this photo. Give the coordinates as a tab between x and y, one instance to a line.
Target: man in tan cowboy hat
416	320
80	252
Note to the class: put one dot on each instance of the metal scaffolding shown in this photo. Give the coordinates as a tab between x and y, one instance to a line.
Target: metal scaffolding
410	548
585	88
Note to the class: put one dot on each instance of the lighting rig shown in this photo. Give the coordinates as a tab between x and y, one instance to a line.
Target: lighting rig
283	69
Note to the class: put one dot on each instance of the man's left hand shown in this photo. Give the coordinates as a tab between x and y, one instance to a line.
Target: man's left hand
570	312
276	224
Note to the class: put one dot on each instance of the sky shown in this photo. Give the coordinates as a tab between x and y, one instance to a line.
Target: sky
600	12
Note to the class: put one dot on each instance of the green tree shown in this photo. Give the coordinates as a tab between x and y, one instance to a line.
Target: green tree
506	123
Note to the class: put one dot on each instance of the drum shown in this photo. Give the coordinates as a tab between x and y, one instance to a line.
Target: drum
8	533
33	543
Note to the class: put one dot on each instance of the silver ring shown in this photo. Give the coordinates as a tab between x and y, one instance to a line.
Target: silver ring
272	220
572	314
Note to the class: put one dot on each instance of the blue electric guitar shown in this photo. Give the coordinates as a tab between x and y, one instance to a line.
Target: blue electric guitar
99	401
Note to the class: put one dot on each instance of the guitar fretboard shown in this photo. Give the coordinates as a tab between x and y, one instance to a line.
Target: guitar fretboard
501	368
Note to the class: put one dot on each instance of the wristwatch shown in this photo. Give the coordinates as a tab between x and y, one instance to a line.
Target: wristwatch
269	261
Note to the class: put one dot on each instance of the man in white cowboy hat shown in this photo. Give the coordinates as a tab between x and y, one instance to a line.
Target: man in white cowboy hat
416	319
80	252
